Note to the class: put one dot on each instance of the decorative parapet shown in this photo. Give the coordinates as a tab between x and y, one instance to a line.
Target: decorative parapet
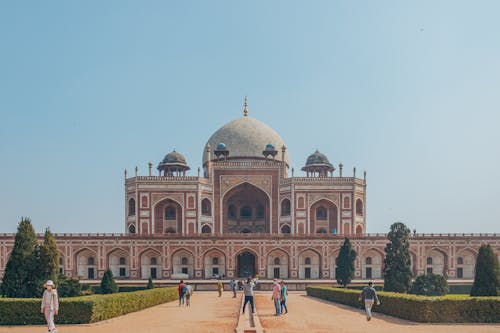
323	180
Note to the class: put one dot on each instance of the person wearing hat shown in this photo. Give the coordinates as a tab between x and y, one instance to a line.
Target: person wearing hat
369	295
50	305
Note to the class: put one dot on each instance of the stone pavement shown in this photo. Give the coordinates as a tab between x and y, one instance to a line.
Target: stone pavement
210	313
309	314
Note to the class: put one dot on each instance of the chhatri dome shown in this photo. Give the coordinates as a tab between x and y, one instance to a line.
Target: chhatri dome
245	137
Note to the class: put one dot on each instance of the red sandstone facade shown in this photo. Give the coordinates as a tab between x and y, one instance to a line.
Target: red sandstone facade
246	216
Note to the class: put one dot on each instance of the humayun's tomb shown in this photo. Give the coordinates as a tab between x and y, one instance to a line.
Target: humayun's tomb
246	213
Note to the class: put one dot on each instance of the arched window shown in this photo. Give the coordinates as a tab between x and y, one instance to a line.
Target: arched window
347	202
368	260
215	261
206	229
60	260
276	261
154	261
131	207
246	212
122	261
460	261
184	261
429	261
285	229
231	211
170	213
359	207
90	261
206	207
308	261
321	213
285	207
131	229
260	212
359	230
321	231
170	230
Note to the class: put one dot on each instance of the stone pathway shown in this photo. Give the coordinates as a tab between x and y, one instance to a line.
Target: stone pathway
210	313
309	314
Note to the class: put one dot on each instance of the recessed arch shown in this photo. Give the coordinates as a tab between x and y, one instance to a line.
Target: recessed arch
285	207
246	262
323	216
278	261
246	208
359	207
214	268
309	264
163	216
206	207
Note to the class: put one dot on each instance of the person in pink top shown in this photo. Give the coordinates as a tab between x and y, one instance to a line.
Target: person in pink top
276	297
50	305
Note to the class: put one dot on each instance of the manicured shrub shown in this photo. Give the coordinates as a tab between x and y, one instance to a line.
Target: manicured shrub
150	284
68	287
450	309
430	285
345	263
108	283
84	309
486	277
397	261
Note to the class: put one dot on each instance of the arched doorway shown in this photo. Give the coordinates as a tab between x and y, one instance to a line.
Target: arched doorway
246	264
246	208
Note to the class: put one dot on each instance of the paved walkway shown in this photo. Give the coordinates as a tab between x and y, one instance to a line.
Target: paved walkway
210	313
309	314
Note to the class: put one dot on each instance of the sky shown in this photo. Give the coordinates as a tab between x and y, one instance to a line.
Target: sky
406	90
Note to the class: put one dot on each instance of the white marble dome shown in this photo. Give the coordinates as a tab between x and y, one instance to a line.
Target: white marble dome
245	137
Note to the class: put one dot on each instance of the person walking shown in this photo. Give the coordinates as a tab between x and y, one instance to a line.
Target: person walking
232	284
220	288
276	297
284	296
369	295
181	288
50	305
248	292
189	292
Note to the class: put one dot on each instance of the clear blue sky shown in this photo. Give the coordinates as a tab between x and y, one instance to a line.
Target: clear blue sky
407	90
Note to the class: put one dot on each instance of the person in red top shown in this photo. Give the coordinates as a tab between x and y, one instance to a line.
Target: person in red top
182	292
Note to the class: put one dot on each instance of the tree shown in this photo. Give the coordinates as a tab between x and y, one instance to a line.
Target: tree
430	285
345	263
49	258
486	276
20	277
397	262
150	284
108	283
68	287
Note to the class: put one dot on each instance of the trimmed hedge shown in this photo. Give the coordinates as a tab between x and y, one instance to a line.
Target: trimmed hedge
456	309
83	309
121	289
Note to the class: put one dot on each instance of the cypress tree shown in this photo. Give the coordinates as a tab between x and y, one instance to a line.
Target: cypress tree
150	284
345	263
20	277
108	283
49	258
486	275
397	262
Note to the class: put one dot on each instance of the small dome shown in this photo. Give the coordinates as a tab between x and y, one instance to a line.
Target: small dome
173	161
174	157
270	146
221	146
317	159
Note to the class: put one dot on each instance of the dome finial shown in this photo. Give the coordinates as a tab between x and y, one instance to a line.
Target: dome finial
245	110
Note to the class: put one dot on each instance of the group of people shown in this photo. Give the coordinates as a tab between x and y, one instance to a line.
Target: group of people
185	291
279	297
